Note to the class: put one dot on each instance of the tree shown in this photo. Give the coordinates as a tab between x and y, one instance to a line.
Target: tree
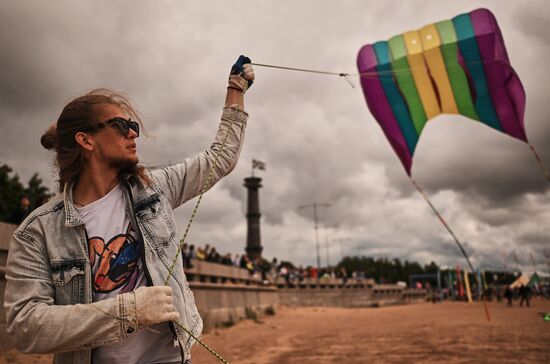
36	192
431	268
384	269
12	190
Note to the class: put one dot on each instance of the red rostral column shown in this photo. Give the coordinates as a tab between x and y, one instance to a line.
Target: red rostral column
253	239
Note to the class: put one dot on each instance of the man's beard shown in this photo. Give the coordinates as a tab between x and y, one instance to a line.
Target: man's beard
124	166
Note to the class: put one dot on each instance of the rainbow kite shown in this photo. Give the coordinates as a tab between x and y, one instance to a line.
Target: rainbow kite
457	66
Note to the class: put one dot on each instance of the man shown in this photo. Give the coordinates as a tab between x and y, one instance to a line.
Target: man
509	294
22	211
524	293
86	271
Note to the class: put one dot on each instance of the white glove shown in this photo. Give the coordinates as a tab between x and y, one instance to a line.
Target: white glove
154	305
248	72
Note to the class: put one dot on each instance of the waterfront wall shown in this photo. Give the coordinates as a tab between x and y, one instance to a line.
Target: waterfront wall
351	293
225	294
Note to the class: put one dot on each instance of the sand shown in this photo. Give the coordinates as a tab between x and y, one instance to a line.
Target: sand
420	333
417	333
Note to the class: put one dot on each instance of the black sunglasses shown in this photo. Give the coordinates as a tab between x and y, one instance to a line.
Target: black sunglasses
123	125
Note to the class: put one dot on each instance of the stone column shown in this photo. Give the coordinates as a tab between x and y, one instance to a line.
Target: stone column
253	239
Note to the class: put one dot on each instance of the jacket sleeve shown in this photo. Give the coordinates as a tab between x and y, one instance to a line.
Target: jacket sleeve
38	324
183	181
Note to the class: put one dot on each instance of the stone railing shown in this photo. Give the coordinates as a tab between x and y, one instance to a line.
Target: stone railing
352	293
324	283
225	294
207	272
411	294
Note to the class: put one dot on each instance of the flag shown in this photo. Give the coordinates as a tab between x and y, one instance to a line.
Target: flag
256	164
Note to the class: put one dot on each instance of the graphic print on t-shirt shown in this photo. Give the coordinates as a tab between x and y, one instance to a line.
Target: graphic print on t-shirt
115	263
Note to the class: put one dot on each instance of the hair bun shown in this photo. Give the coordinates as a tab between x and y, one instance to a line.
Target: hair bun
49	138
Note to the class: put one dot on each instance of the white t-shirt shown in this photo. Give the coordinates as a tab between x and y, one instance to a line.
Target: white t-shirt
115	257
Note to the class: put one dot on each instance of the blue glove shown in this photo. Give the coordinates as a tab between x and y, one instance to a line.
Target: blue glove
237	68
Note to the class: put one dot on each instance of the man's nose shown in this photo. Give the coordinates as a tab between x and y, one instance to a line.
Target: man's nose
132	134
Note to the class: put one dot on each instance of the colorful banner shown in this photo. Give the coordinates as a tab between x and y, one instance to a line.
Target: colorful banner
450	283
479	285
467	283
460	286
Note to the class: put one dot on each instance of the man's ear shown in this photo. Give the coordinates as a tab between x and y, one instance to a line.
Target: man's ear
84	140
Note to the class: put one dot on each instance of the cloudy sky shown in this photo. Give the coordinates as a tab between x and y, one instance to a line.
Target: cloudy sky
315	133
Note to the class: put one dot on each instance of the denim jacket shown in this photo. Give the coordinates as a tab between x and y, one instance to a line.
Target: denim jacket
48	296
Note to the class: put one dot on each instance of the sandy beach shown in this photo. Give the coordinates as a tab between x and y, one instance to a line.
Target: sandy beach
417	333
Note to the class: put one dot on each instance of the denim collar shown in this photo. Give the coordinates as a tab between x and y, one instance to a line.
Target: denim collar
72	217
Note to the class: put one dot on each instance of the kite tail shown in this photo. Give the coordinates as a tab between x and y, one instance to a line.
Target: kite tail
541	163
460	247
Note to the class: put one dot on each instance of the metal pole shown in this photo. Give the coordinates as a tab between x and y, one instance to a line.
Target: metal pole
340	242
326	246
314	205
316	236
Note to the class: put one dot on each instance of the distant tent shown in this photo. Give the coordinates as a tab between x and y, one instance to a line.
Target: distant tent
535	280
523	279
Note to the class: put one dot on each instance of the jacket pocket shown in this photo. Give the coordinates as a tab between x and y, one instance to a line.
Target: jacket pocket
68	278
156	221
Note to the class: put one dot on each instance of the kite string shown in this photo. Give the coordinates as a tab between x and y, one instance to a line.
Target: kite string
301	69
462	250
345	76
188	227
539	160
371	74
218	356
195	209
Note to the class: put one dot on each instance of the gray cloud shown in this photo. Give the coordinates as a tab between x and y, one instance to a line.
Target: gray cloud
533	20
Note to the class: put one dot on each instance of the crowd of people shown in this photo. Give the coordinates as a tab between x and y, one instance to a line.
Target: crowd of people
210	254
268	270
294	276
271	271
523	293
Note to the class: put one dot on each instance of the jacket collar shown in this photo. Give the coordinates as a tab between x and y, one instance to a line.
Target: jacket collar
72	217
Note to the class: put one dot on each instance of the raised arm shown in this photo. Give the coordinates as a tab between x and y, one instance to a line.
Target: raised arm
183	181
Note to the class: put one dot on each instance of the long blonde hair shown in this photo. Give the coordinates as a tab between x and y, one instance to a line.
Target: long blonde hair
80	114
